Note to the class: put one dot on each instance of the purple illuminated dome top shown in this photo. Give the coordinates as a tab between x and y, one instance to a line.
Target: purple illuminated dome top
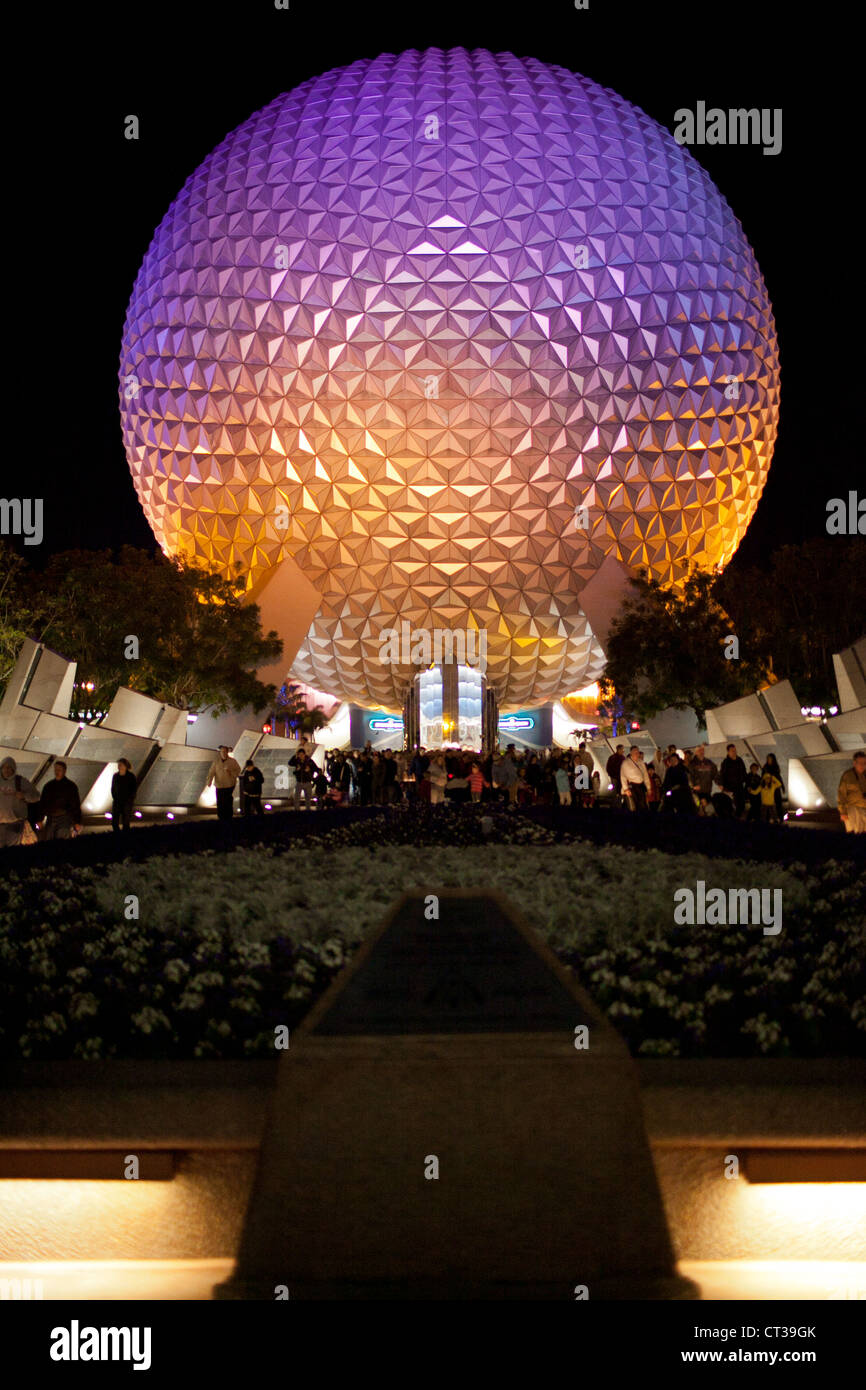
436	334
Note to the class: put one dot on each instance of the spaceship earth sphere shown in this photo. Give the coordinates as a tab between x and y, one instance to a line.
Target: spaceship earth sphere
442	331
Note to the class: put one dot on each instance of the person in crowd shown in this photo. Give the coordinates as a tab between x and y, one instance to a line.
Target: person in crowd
224	773
563	785
487	768
688	755
345	781
422	783
418	770
583	783
305	778
732	778
769	787
437	775
16	794
365	777
634	780
390	783
613	768
851	798
702	773
524	795
60	805
377	785
723	805
658	762
505	775
252	781
123	789
676	789
753	792
533	776
771	765
477	782
705	805
654	795
322	788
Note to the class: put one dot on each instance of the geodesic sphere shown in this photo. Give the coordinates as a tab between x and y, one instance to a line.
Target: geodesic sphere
449	329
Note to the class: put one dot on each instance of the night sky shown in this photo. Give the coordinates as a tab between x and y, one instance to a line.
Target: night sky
194	72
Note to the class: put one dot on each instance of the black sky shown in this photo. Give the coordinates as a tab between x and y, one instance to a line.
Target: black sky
192	72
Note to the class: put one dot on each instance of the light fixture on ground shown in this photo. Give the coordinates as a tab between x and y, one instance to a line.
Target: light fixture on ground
97	1165
837	1165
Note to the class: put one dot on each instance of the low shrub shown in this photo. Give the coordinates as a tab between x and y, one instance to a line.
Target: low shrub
227	946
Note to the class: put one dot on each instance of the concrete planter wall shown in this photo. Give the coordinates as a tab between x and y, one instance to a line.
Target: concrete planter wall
211	1114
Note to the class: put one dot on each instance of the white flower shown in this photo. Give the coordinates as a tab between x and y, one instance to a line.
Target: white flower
245	1006
190	1000
208	979
148	1019
83	1006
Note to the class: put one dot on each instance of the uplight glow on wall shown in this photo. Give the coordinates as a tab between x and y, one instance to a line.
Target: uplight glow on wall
445	330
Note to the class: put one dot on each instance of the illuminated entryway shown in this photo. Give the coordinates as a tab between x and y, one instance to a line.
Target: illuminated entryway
447	705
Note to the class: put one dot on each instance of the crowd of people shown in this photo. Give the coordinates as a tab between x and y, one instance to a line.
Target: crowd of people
689	784
671	782
683	785
54	812
381	778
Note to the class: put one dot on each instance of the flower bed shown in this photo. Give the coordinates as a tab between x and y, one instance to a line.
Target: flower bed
229	945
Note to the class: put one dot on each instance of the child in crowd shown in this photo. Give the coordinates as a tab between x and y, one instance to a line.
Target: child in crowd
477	782
769	786
753	792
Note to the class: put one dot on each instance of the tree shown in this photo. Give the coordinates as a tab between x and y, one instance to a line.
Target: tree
16	614
667	648
312	720
805	605
613	712
166	627
24	610
292	707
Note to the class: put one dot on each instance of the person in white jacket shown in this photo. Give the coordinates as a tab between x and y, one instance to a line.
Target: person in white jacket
224	771
635	782
16	794
438	776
